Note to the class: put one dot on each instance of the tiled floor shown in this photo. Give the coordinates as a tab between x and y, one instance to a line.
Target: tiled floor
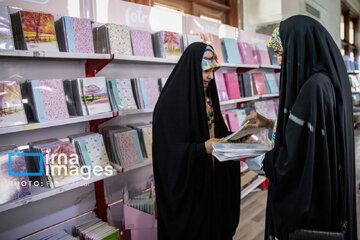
252	217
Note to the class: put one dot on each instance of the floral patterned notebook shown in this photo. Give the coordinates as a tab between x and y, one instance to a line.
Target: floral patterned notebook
129	145
49	100
119	39
141	43
79	35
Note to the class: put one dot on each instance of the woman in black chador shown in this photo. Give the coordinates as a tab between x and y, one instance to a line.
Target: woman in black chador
198	198
311	168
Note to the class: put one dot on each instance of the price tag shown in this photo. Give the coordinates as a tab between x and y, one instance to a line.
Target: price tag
30	126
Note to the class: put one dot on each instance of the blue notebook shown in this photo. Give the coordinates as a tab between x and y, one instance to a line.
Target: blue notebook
271	82
69	34
143	93
230	50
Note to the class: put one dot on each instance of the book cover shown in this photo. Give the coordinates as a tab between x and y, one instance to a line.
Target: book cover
141	43
96	95
262	52
172	45
39	31
119	39
96	150
129	147
49	99
221	87
147	133
11	106
125	93
6	35
232	85
231	50
55	156
232	120
259	83
214	41
273	56
151	91
13	187
271	80
79	35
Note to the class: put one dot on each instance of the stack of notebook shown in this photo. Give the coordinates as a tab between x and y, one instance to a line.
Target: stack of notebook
74	35
59	163
145	138
141	43
167	45
46	100
12	187
91	149
112	38
123	146
89	95
34	31
121	94
187	39
230	50
95	229
221	86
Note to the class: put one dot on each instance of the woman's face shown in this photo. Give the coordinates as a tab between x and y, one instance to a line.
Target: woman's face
207	75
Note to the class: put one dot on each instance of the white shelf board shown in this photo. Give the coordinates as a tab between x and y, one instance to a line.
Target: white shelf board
140	59
38	193
259	180
233	65
270	66
53	55
134	111
354	72
248	99
119	168
72	120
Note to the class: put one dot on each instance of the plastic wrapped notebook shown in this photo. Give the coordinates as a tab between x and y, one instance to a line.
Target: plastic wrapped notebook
232	151
242	132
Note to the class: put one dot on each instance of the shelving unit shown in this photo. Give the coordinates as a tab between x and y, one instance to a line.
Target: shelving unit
256	183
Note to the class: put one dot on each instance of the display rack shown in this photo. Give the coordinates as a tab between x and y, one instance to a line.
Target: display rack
248	99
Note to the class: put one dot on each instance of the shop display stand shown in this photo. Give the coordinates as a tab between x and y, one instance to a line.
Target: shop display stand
78	199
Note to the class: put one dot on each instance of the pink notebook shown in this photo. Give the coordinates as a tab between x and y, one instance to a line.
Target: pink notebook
152	91
141	43
127	147
83	37
232	121
232	85
247	52
221	87
259	84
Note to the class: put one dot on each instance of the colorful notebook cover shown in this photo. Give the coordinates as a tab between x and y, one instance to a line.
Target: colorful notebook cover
232	85
147	133
126	99
271	81
96	95
246	53
61	175
129	145
39	31
96	150
241	115
232	120
150	91
11	106
13	187
221	87
172	45
119	39
248	84
262	52
49	99
259	84
79	35
141	43
230	50
6	35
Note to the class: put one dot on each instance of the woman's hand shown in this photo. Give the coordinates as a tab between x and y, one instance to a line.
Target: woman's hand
208	144
261	121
